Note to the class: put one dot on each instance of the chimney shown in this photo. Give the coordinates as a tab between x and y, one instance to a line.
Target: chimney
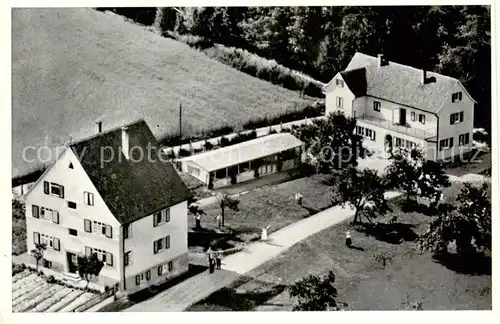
423	77
125	142
382	61
99	126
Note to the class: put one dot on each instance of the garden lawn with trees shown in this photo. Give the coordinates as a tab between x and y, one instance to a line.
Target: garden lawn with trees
409	277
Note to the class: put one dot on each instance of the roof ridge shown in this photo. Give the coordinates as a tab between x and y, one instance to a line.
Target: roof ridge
408	66
105	132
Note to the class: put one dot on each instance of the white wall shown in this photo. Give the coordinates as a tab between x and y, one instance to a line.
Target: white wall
446	130
336	91
203	176
75	182
143	234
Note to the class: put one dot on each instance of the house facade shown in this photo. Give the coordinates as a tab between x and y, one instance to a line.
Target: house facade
399	106
130	211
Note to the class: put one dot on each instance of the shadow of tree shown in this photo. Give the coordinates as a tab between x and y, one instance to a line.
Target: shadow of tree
414	206
242	301
474	264
393	233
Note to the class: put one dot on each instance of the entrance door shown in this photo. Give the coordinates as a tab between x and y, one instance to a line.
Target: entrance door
72	262
402	116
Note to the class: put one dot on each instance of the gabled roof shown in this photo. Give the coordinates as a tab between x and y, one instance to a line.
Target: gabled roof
244	152
134	188
356	81
398	83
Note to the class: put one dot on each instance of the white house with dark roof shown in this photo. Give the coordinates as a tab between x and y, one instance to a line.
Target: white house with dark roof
100	196
400	106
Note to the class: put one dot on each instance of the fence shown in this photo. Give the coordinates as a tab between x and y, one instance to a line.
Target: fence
419	133
94	301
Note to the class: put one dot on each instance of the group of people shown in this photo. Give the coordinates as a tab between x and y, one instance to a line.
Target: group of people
214	260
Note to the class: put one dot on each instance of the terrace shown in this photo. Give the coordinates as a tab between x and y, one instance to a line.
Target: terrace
424	134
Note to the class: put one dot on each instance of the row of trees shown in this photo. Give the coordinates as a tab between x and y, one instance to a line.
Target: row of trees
320	41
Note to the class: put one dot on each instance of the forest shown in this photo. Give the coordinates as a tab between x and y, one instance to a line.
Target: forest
320	41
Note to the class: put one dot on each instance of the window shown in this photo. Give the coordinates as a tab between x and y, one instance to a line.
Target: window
127	231
99	228
160	270
421	118
161	217
49	241
170	266
376	105
463	139
35	211
148	275
53	188
457	96
47	263
161	244
413	116
340	102
244	166
73	232
139	278
456	118
398	141
220	174
339	82
193	170
446	143
71	204
71	165
126	258
158	245
88	198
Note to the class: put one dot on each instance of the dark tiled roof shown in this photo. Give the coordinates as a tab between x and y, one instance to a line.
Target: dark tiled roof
134	188
356	81
401	83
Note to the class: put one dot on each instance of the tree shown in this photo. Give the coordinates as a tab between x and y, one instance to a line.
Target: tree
362	190
471	221
37	252
404	171
229	202
334	145
315	293
432	179
89	266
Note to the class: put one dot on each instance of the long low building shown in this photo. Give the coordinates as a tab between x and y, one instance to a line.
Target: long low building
248	160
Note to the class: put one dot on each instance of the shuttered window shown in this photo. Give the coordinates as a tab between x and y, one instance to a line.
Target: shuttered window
109	231
87	225
35	211
137	280
46	187
148	275
36	238
55	217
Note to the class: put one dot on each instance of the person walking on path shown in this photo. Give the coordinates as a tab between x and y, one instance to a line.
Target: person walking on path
348	240
263	237
212	265
209	252
298	198
219	220
198	221
218	260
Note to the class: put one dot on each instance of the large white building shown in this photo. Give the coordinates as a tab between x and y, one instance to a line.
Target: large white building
101	196
400	106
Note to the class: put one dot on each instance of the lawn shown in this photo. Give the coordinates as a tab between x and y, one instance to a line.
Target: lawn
272	206
362	280
72	67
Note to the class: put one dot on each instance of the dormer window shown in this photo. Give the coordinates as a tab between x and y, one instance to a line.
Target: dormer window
339	83
457	96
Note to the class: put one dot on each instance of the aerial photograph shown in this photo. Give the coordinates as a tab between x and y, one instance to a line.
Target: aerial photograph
215	159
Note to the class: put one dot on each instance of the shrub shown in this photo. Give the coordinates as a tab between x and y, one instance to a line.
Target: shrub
17	268
171	154
285	130
208	145
265	69
184	152
106	288
224	141
51	280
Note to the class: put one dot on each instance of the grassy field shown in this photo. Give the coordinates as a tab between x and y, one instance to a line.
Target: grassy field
274	206
72	67
362	280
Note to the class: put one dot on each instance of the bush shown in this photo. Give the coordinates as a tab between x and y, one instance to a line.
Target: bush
106	288
17	268
268	70
51	280
224	141
208	145
184	153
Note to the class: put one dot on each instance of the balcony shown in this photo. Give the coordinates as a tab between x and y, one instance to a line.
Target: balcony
424	134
